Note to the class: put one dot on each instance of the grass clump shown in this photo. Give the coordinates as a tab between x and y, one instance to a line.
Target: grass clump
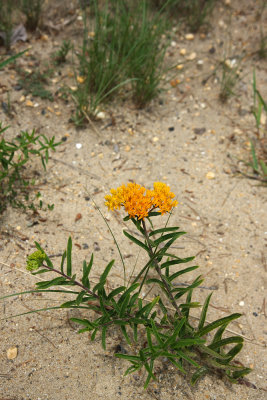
32	10
7	8
122	50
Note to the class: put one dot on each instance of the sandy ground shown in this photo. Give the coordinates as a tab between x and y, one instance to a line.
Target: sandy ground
186	138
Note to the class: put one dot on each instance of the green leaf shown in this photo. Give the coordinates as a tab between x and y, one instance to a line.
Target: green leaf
116	291
103	277
69	262
212	353
218	334
213	325
86	271
241	373
163	230
172	236
183	355
177	328
123	329
62	262
199	374
79	298
54	282
124	306
154	280
89	325
156	333
144	311
129	290
204	312
136	241
183	271
188	342
128	357
223	342
176	261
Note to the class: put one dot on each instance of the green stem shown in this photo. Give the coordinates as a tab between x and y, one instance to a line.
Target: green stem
157	267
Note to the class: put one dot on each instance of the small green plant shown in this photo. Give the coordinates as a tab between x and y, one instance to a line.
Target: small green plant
157	328
34	83
61	55
14	155
123	49
32	10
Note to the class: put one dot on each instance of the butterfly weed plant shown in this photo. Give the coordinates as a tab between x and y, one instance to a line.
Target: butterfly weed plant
157	329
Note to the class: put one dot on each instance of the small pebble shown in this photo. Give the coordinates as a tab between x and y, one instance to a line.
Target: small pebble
78	145
12	353
210	175
255	314
85	246
171	129
241	303
183	52
191	56
189	36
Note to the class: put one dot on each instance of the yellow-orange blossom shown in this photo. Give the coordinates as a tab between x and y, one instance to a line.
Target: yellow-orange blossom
138	201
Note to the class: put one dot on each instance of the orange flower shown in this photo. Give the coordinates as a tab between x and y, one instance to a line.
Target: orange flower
138	201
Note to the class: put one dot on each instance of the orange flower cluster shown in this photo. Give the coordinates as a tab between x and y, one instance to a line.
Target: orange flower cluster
139	201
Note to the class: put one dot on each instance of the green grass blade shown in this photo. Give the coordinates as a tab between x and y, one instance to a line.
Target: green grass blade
69	262
204	312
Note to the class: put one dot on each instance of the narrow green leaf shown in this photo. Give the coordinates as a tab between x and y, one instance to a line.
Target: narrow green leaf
172	236
213	353
213	325
79	298
129	290
124	306
128	357
219	333
154	280
199	374
164	230
204	312
86	271
241	373
62	262
183	355
123	329
54	282
223	342
173	337
136	241
156	333
188	342
84	322
176	261
183	271
263	167
116	291
69	262
103	277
